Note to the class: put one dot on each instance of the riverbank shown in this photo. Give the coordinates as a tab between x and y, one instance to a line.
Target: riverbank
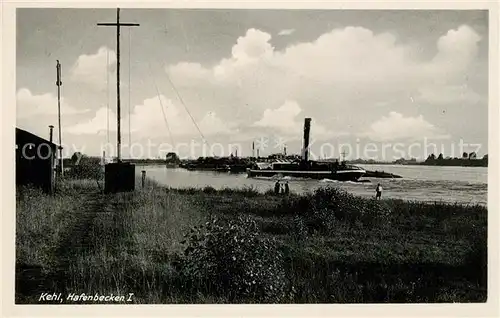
224	246
441	162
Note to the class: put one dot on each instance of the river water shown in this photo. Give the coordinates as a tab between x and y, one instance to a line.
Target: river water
466	185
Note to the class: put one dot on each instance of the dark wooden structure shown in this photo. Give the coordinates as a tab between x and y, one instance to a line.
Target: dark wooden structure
119	177
35	161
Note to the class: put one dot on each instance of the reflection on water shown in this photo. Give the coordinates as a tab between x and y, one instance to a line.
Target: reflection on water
423	183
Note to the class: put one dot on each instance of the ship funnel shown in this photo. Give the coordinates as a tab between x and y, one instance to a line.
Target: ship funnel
307	129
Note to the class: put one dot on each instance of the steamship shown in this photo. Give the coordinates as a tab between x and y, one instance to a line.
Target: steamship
305	168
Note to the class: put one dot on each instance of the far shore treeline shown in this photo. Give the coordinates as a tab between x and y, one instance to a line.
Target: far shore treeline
467	160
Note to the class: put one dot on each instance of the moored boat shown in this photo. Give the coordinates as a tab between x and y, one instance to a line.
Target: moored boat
306	168
313	170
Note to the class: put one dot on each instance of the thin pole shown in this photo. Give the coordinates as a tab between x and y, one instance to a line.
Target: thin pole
107	94
51	128
59	83
119	138
129	105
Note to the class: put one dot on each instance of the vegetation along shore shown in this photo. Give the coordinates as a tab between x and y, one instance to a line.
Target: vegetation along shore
241	246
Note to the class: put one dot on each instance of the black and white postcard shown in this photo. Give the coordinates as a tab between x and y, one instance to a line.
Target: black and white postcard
255	154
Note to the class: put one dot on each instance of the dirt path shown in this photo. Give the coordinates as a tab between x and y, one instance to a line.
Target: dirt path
96	221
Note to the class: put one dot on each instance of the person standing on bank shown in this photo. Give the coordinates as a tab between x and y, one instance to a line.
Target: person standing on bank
379	192
277	188
287	188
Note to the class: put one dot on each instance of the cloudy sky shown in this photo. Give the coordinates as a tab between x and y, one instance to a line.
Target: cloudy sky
237	76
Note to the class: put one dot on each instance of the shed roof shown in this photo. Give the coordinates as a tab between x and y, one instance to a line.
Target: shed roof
22	134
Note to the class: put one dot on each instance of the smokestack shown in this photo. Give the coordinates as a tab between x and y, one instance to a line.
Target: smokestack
284	150
307	129
253	149
51	130
258	156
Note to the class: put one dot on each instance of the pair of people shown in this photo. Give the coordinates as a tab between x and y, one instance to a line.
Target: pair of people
281	188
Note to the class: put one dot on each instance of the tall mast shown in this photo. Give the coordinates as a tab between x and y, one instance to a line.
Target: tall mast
117	25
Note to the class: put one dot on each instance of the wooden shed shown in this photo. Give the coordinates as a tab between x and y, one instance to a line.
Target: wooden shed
35	161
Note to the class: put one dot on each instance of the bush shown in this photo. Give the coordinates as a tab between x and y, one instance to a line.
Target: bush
322	210
229	258
375	213
87	168
300	230
209	190
295	205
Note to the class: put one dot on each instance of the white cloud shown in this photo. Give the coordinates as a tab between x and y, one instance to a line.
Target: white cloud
458	47
446	94
91	69
35	113
211	124
285	121
342	71
29	105
282	117
96	125
286	32
397	127
445	78
147	121
255	44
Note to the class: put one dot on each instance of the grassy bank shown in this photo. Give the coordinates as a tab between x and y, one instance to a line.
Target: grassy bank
225	246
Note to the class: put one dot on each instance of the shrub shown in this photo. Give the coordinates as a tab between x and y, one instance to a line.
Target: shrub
294	205
209	190
299	231
337	200
375	213
87	168
229	258
326	207
320	220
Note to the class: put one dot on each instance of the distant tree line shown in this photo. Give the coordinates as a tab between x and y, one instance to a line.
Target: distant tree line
467	160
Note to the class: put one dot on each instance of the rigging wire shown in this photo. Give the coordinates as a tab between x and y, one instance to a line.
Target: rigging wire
180	97
161	106
185	107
